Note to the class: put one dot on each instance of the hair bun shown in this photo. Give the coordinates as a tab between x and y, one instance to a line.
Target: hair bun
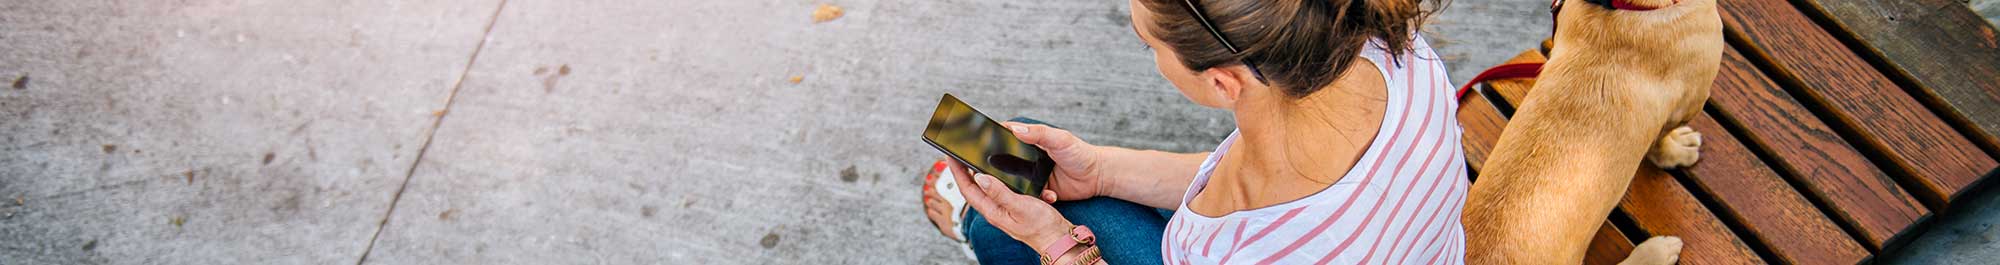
1299	46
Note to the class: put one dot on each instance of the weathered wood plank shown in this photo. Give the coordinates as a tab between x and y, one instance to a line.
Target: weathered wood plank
1853	189
1755	196
1609	246
1934	157
1661	206
1482	124
1760	200
1938	45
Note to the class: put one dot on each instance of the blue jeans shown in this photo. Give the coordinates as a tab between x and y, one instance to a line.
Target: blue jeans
1127	233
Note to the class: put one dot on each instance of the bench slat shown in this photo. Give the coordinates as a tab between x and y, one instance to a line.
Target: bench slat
1662	207
1608	246
1760	200
1938	45
1936	158
1861	195
1751	192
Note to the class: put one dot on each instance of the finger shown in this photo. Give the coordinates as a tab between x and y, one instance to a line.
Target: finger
995	192
1048	138
1021	130
976	197
1049	196
957	170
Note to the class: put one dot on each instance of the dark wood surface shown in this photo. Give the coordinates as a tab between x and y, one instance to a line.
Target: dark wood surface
1751	193
1809	150
1811	153
1937	45
1482	124
1659	205
1764	205
1923	148
1609	246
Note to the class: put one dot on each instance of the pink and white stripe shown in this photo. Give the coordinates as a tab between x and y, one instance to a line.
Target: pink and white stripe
1400	204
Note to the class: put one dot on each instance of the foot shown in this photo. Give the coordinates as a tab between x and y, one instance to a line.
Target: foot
1659	250
939	212
943	203
1678	148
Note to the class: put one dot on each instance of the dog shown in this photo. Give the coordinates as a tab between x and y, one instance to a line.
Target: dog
1621	82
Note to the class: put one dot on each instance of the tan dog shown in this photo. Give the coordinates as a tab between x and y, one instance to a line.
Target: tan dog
1617	89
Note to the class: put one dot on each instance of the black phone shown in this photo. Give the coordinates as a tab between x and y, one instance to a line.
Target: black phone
983	145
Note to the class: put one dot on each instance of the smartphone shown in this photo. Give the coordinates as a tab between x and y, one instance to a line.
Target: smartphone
984	146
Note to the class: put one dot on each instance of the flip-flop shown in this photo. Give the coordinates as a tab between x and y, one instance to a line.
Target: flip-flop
946	184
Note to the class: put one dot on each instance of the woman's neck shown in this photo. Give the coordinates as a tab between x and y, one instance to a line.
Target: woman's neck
1289	148
1302	138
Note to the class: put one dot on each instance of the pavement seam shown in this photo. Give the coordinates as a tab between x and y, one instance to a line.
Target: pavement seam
436	123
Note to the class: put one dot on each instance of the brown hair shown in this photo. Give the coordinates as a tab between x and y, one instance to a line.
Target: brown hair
1297	45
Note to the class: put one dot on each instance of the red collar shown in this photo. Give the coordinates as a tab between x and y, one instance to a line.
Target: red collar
1612	4
1623	5
1530	70
1555	8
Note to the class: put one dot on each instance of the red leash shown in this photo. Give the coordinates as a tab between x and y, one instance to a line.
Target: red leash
1504	71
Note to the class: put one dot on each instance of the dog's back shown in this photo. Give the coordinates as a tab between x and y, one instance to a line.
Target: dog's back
1615	81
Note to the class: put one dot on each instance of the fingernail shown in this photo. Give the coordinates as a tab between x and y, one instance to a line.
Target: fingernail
1017	128
981	180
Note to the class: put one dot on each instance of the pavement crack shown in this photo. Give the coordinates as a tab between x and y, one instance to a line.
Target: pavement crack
436	122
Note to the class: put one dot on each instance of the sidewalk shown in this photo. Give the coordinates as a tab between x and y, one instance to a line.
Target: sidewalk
552	132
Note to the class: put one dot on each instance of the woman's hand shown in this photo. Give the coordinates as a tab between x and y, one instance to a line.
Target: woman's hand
1027	219
1076	176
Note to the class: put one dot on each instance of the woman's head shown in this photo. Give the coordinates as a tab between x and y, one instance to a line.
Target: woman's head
1296	46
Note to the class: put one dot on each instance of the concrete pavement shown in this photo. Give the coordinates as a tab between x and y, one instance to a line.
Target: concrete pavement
542	131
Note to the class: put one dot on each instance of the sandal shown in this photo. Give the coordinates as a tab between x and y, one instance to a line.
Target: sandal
945	183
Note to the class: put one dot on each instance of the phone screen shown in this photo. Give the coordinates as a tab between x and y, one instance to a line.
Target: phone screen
983	145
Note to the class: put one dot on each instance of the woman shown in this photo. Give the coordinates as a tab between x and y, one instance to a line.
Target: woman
1346	149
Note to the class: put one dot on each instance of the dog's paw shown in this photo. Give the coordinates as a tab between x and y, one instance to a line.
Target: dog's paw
1659	250
1679	148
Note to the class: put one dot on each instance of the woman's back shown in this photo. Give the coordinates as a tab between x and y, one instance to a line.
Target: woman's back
1399	204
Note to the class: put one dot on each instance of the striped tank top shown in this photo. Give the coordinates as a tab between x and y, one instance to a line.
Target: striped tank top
1399	204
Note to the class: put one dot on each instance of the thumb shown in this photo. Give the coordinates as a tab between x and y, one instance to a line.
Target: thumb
1049	138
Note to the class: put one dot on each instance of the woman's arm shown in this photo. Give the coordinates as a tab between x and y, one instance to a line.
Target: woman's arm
1148	177
1151	178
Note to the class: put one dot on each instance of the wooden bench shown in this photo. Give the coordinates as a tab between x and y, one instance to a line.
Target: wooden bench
1811	153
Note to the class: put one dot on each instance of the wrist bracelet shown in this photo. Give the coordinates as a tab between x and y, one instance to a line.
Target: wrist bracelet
1078	235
